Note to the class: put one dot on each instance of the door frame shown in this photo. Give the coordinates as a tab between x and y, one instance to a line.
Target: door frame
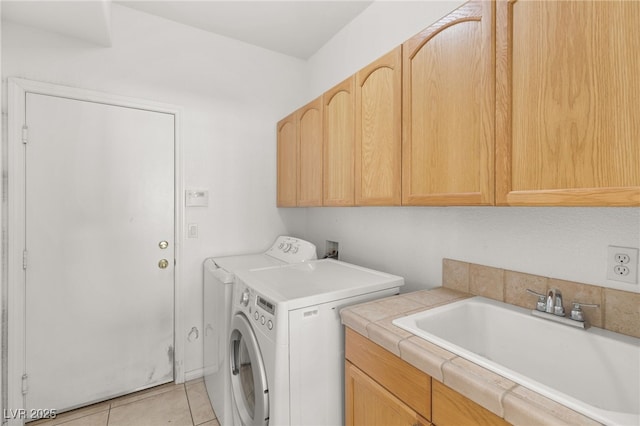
16	225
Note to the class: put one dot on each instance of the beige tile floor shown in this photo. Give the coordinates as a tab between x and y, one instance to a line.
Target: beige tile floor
171	404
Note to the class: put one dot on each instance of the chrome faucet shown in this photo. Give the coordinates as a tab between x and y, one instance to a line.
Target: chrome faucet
550	307
554	303
551	303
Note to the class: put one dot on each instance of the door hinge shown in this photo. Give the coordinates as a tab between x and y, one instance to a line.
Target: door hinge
25	134
25	384
24	259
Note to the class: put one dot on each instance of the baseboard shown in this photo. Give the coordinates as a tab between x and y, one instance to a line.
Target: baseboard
194	374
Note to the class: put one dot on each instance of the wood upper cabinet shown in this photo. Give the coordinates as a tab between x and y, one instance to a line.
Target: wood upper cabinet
300	157
378	131
567	97
287	185
339	144
309	119
448	110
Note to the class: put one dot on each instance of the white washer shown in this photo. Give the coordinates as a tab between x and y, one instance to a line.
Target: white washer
287	341
219	274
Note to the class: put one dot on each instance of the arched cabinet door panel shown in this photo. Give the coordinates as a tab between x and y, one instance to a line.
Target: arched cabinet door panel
300	157
339	144
310	154
378	131
567	103
448	110
287	162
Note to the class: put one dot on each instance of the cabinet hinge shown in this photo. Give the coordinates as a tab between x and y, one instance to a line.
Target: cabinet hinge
24	259
25	134
25	384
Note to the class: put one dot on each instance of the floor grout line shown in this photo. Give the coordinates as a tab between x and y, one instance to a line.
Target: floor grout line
193	422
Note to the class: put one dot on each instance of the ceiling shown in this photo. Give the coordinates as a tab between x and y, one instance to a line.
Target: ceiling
296	27
86	20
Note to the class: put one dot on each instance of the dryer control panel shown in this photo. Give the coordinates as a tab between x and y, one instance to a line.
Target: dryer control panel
263	313
292	250
256	307
265	304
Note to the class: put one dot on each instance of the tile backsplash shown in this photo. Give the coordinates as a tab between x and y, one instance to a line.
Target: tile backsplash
619	311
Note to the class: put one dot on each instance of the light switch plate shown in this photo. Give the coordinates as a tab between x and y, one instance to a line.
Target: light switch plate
196	198
192	230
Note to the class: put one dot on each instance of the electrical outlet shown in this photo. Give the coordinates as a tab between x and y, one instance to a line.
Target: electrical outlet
622	258
622	264
621	270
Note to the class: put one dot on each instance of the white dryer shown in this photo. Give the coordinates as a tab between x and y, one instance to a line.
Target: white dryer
287	341
219	274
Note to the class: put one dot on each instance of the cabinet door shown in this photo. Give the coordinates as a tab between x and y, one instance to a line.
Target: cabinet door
448	110
369	404
453	409
378	131
567	103
402	379
310	157
287	162
339	140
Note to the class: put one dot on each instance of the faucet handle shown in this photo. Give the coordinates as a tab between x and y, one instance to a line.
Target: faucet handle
576	310
558	308
541	305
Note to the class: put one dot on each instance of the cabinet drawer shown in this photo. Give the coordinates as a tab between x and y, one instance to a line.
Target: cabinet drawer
399	377
369	404
453	409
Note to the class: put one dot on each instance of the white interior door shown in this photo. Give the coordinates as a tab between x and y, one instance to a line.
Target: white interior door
99	202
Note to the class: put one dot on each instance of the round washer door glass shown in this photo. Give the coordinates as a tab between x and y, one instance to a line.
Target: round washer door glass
248	376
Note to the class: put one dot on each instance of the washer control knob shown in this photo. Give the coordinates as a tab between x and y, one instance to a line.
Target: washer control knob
256	315
286	247
294	249
262	320
244	298
270	325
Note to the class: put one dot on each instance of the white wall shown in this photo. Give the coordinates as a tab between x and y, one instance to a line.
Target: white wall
565	243
232	95
378	29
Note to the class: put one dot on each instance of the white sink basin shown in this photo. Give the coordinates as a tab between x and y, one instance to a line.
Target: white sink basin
594	372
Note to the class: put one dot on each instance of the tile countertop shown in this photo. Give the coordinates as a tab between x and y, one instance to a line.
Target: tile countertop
516	404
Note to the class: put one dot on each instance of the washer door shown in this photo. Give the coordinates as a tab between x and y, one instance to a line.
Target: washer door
248	376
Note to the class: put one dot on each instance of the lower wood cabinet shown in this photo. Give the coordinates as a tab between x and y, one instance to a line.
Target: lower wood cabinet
453	409
382	389
408	385
370	404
